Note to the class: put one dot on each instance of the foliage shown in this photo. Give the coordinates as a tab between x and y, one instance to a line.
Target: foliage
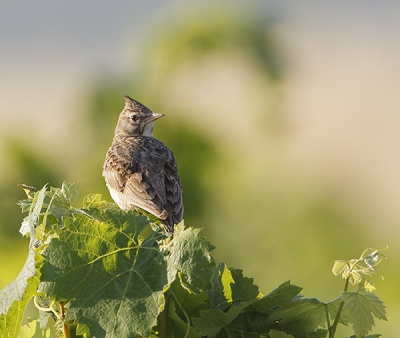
103	272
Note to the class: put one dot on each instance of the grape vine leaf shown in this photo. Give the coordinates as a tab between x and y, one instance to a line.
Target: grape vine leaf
333	308
180	324
230	287
254	319
357	269
237	334
191	303
16	295
279	334
190	258
33	329
284	293
237	306
353	269
57	202
300	317
114	278
211	321
93	201
360	306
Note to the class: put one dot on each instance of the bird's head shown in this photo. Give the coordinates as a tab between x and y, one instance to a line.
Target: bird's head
136	119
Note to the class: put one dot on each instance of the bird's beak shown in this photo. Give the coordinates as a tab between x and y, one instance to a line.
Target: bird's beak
153	117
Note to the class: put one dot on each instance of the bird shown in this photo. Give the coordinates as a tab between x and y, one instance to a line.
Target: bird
140	171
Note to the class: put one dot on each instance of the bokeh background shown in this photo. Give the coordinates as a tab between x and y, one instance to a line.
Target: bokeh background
283	116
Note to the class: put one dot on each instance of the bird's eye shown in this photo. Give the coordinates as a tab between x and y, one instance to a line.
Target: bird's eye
134	117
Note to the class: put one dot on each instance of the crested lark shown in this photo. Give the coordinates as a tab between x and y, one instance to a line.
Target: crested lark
141	171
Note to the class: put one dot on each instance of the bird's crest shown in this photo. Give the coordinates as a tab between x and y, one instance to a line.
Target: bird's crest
136	106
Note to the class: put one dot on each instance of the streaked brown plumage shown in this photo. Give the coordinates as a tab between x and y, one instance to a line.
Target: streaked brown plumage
141	171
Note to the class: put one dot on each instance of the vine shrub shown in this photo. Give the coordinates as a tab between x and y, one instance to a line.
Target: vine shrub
98	271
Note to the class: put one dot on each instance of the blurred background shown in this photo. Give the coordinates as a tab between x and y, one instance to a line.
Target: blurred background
283	116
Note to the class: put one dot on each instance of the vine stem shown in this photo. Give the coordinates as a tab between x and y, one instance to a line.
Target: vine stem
332	329
65	326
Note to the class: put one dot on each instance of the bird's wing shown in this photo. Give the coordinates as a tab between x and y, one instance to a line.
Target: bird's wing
135	190
173	191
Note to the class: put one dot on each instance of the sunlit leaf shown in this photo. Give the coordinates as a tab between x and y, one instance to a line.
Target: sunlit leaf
190	257
355	270
114	280
68	193
33	330
340	267
16	295
93	201
230	287
367	286
361	306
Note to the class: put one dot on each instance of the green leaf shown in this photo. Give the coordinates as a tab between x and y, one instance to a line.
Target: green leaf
354	269
16	295
333	307
113	278
360	306
300	317
367	286
237	334
254	318
230	295
279	334
357	269
33	330
30	223
340	267
191	303
250	322
284	293
190	258
68	193
320	333
229	287
93	201
57	202
180	324
211	321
